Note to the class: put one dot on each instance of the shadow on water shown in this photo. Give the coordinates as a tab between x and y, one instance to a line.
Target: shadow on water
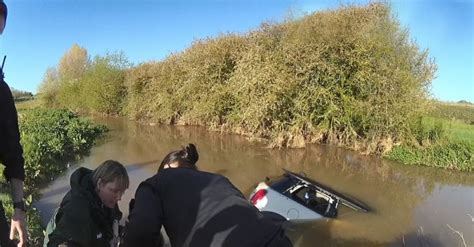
404	199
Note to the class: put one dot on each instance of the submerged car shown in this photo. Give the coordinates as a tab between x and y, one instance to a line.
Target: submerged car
296	198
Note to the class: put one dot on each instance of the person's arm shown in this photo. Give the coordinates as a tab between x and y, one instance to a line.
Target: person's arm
144	225
11	155
18	223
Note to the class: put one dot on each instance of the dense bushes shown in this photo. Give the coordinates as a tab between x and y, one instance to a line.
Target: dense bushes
51	137
350	76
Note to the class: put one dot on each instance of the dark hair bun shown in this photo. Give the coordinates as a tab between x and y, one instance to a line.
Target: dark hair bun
191	153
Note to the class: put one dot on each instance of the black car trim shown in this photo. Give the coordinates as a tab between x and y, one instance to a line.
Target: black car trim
349	202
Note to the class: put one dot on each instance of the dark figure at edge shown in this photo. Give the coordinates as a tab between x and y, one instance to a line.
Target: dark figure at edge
11	155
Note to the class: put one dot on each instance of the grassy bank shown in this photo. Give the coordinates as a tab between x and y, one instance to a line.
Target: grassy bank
49	138
444	138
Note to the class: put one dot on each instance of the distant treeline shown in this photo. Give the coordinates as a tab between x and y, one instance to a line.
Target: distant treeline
462	111
19	95
465	102
350	76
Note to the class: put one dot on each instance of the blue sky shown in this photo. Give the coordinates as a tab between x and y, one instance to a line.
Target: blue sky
39	32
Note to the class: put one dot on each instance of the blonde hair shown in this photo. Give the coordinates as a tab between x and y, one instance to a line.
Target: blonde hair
111	171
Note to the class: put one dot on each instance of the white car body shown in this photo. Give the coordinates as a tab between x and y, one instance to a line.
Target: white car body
299	199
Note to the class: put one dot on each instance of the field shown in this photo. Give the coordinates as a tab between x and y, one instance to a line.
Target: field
462	112
445	138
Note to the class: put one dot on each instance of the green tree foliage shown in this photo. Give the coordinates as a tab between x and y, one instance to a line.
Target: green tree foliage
103	89
60	84
49	88
82	84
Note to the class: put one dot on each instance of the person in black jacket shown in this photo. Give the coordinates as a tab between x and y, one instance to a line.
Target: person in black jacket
88	215
196	208
11	156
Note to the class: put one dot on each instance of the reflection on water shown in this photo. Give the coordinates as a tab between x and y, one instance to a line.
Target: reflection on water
412	206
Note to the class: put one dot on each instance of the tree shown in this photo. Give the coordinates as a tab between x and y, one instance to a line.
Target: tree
48	89
73	64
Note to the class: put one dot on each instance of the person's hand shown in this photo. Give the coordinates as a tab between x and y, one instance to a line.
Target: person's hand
19	226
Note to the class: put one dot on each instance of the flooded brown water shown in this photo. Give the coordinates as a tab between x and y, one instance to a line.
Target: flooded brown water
412	206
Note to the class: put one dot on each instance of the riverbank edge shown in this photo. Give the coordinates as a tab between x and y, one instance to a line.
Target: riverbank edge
444	154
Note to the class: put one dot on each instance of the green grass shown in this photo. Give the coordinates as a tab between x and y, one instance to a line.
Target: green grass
445	139
454	130
450	155
460	132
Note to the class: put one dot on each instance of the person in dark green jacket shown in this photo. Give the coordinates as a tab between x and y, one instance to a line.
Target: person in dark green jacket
88	214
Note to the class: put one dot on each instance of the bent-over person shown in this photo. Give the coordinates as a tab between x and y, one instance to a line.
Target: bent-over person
196	208
88	215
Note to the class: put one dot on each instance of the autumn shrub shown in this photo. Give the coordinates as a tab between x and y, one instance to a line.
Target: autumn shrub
349	76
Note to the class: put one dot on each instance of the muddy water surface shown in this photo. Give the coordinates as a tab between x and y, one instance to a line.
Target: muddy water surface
412	206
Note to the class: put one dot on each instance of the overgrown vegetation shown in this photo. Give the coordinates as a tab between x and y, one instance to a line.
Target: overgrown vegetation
350	76
84	84
444	138
50	138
